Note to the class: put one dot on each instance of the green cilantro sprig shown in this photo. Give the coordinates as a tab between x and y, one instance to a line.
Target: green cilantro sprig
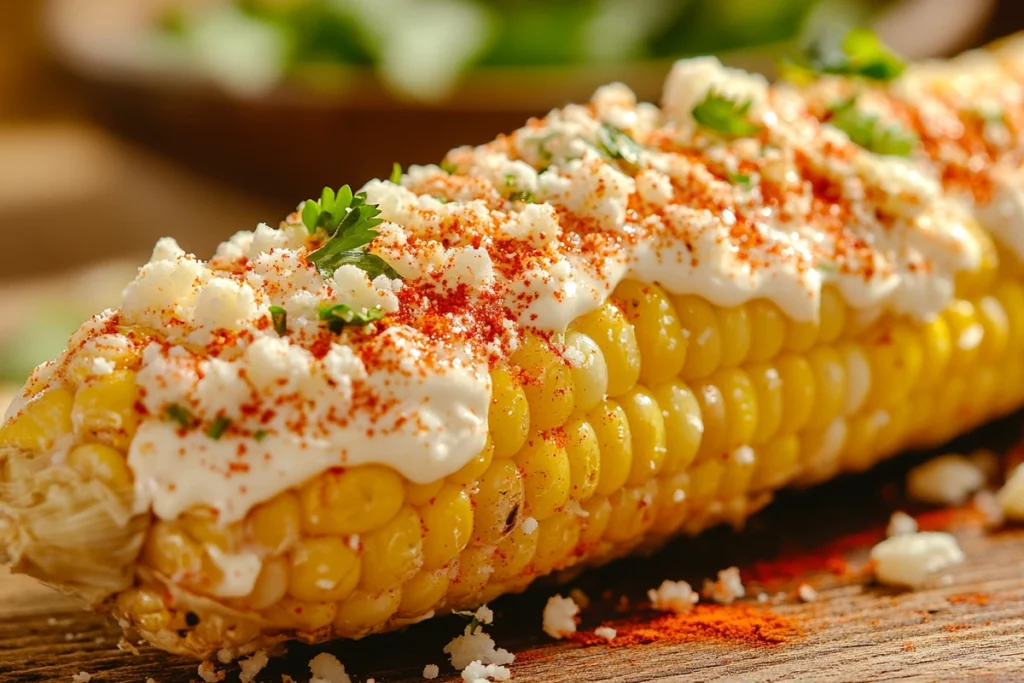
349	223
616	144
515	194
180	414
396	174
260	434
860	53
218	427
340	316
742	179
868	132
725	115
279	316
449	167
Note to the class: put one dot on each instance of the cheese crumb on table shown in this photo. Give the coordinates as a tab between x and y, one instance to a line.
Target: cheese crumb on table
988	505
431	671
478	672
1011	496
909	560
606	632
209	673
81	677
474	645
946	480
560	617
249	668
326	668
901	524
672	596
806	592
726	589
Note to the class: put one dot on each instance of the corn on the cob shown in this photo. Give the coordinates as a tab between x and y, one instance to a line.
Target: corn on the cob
654	414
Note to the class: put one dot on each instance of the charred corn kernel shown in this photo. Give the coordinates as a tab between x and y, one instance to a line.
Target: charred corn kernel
713	415
170	551
734	324
647	433
767	330
509	414
776	462
616	338
798	392
350	501
768	391
475	568
393	553
362	613
740	406
447	526
548	383
305	617
659	335
514	554
684	426
423	592
104	409
584	454
421	494
595	523
833	315
896	357
557	537
589	372
469	472
96	461
323	570
615	442
966	333
633	512
546	477
936	349
45	419
497	503
270	587
830	386
703	336
996	324
275	526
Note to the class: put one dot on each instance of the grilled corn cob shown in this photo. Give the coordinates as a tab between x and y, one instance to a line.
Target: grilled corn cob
175	465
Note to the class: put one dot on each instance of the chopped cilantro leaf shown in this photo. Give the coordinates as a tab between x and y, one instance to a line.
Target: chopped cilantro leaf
339	316
522	196
218	427
260	434
868	132
396	174
349	223
741	179
859	53
448	167
279	316
724	115
181	415
616	144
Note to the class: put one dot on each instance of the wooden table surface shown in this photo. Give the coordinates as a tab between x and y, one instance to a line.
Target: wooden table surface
854	631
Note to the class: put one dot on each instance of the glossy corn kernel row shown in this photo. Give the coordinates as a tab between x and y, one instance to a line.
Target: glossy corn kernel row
662	414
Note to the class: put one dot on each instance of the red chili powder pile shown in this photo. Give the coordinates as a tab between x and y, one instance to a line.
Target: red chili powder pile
795	563
739	624
980	599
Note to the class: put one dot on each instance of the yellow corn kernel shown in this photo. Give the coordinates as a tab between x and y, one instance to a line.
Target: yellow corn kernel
821	451
705	480
830	386
937	349
768	390
703	336
104	409
891	435
734	324
363	613
548	383
776	462
595	524
798	392
610	330
393	553
896	358
447	526
673	503
584	459
861	434
514	554
476	565
740	406
966	333
557	537
740	465
145	608
1011	296
170	551
833	315
421	494
306	617
350	501
471	471
270	587
767	330
509	414
323	570
423	592
497	502
546	476
858	376
712	411
633	512
96	461
202	526
996	323
275	526
800	336
46	418
659	334
590	375
647	432
684	426
615	441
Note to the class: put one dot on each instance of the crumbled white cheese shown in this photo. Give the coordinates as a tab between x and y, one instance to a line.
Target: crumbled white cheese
726	589
431	671
987	504
606	632
946	480
673	596
208	672
1011	496
478	672
81	677
475	645
326	668
249	668
901	523
529	525
806	592
560	617
909	560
